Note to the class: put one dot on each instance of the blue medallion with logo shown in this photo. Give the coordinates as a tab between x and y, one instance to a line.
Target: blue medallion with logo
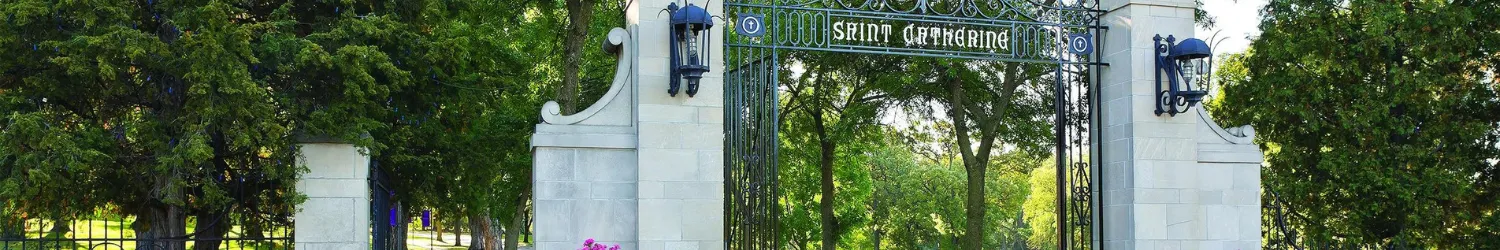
1081	43
751	25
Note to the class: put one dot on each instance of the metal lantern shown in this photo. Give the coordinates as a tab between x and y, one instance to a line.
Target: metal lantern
689	46
1184	64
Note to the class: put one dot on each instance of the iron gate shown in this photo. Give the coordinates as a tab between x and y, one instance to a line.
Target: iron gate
386	221
1058	32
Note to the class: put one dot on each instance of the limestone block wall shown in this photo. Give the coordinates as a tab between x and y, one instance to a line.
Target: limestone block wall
1228	187
639	168
584	192
336	214
584	173
1169	182
681	156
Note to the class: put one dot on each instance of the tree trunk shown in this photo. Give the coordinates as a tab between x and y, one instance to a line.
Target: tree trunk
458	231
437	226
60	226
974	207
825	169
483	238
976	158
580	12
399	233
213	223
497	232
517	222
155	227
209	233
498	229
526	223
475	233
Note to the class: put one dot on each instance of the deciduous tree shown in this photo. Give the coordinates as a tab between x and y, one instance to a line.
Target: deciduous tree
1380	120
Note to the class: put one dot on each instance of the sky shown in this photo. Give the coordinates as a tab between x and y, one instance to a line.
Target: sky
1237	20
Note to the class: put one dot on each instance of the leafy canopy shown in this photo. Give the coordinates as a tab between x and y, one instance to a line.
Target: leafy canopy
1380	120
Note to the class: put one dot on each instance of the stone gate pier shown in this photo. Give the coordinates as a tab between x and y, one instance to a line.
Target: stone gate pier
637	168
1180	182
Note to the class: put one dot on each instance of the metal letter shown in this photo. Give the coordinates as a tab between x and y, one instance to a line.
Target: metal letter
838	31
887	28
906	35
974	39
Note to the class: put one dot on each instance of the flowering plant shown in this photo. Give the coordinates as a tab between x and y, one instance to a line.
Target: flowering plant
591	245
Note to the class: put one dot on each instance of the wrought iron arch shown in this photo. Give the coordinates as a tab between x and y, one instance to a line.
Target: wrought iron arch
1023	31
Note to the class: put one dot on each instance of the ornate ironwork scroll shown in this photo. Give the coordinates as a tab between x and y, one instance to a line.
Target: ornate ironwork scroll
1076	152
1276	233
750	148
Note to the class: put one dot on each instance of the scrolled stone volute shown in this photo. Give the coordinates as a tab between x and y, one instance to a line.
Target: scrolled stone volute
613	108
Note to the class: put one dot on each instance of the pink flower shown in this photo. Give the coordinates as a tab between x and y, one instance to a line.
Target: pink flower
590	244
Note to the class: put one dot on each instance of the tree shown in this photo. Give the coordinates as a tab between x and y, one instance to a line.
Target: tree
459	142
834	109
988	104
1041	208
1375	134
579	14
165	109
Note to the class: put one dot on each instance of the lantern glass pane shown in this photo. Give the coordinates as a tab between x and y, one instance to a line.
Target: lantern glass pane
1203	72
1188	70
682	47
692	47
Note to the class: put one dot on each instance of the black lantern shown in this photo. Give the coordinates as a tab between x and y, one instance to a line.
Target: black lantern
1185	64
689	46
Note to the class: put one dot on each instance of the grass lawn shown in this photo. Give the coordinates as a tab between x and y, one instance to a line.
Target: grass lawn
426	239
116	235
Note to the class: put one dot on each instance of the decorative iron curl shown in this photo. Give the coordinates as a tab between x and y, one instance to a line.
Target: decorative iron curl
1056	11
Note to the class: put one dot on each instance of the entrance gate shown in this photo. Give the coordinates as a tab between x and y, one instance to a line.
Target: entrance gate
1062	33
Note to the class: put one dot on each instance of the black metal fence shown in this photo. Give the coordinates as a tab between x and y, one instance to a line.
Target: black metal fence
1281	230
752	215
387	220
245	209
109	230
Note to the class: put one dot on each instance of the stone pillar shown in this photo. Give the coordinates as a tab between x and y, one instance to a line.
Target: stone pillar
1169	182
681	140
336	214
584	188
584	167
639	167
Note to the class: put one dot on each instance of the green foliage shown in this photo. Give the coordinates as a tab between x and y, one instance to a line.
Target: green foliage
916	202
159	105
830	125
1041	208
1380	120
155	105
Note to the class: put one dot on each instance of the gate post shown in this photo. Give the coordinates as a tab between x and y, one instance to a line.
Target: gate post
1169	182
336	214
681	154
